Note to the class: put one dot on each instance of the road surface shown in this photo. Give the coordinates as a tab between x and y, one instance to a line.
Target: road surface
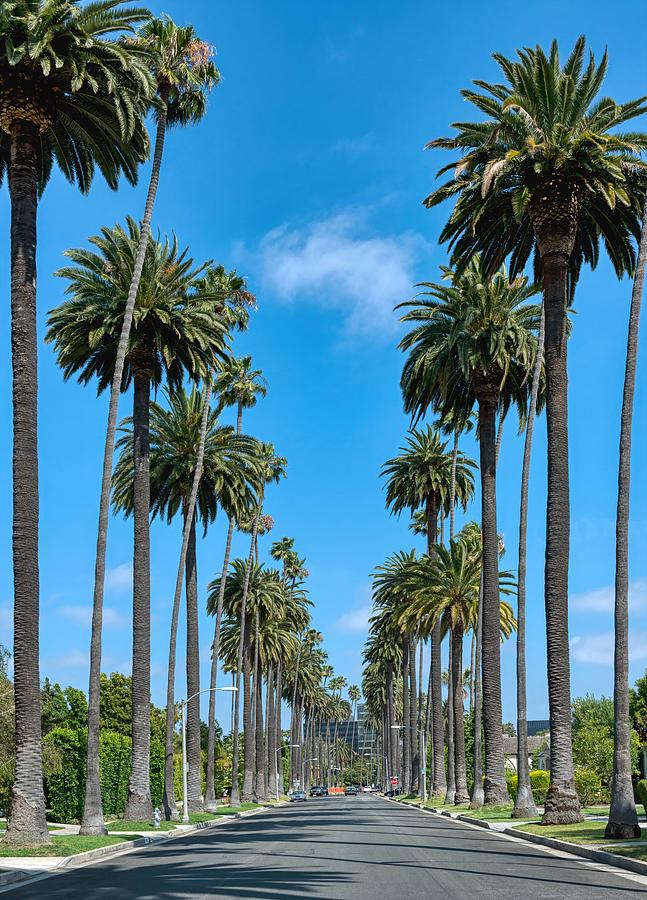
340	848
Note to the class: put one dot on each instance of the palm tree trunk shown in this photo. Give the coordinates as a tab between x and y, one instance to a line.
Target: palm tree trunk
194	750
260	784
524	804
472	668
210	804
170	809
406	718
247	795
271	733
459	722
413	715
450	795
562	805
623	821
452	485
26	823
495	788
139	807
428	727
439	783
499	436
92	820
279	733
478	797
235	790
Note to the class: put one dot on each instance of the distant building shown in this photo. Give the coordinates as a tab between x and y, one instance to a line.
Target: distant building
537	726
538	744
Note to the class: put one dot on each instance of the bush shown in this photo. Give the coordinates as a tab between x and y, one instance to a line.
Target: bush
539	781
588	785
641	791
65	786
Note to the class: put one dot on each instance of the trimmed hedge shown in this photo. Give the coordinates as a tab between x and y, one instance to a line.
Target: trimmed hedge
65	788
539	781
641	791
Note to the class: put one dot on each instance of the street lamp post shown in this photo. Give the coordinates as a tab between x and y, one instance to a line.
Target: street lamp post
185	767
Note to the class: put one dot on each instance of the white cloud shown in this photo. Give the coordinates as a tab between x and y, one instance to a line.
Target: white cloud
354	146
75	659
602	600
120	577
82	615
598	648
336	263
356	619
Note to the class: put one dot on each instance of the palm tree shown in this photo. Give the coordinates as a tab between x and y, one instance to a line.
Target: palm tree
623	820
227	480
176	331
422	476
74	95
548	173
240	385
473	344
183	73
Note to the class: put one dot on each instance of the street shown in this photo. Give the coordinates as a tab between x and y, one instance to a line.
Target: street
338	848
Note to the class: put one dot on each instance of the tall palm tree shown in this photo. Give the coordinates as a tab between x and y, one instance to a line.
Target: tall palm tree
228	480
623	820
183	73
549	174
422	476
473	343
240	385
176	331
74	96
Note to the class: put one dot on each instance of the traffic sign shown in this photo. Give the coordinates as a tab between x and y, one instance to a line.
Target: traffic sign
394	780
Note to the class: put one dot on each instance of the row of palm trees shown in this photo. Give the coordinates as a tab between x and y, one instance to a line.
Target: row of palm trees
79	82
547	176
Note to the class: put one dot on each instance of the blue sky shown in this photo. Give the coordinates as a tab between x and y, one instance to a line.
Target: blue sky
308	175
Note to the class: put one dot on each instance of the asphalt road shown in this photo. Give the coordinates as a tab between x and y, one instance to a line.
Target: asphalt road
338	848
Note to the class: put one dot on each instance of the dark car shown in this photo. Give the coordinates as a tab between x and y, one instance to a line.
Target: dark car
297	796
351	790
394	793
318	791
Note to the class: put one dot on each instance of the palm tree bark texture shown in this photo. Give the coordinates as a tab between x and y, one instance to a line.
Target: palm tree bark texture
27	820
194	752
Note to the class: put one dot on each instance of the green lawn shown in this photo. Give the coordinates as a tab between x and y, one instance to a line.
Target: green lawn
595	811
129	825
639	851
67	845
232	810
580	833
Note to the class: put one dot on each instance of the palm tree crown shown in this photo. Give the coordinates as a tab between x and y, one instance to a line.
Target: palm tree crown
547	161
69	70
176	329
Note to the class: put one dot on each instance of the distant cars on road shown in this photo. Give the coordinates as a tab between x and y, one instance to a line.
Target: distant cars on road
351	790
298	796
318	790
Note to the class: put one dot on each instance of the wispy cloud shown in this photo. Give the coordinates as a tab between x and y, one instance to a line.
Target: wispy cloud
598	648
75	659
120	577
602	599
355	620
82	615
339	263
354	146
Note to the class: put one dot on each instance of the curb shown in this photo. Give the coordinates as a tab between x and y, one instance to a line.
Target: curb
600	856
89	856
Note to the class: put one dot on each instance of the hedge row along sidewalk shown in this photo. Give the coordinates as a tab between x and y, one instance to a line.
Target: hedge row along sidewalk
39	867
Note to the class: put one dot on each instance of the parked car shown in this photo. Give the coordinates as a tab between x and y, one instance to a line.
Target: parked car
394	793
351	790
318	790
297	796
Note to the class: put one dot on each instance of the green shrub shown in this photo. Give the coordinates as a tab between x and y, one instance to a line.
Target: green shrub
114	769
511	780
64	788
641	791
539	781
157	772
588	785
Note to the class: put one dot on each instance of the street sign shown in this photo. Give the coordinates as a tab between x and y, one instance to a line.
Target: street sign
394	780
